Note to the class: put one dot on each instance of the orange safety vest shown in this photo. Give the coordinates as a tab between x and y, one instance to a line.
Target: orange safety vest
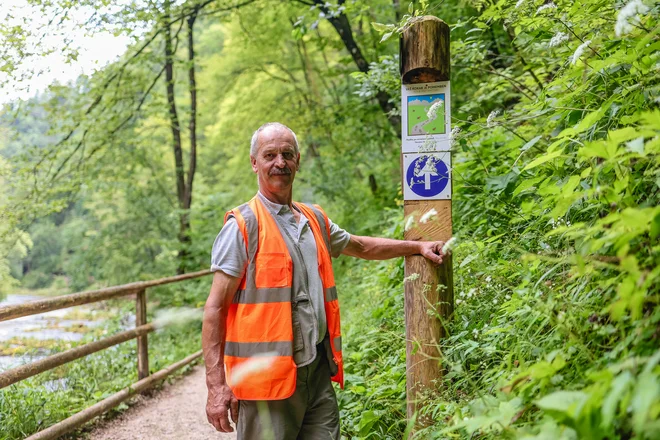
259	320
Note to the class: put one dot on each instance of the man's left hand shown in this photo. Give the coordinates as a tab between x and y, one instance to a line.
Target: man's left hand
432	250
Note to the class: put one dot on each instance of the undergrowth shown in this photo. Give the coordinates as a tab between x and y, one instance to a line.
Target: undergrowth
556	329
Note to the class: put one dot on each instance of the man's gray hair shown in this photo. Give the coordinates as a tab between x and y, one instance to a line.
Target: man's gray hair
255	137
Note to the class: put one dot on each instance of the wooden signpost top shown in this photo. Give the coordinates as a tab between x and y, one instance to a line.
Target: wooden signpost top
424	51
424	58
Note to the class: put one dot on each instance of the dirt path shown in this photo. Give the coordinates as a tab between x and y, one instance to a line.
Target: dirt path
176	412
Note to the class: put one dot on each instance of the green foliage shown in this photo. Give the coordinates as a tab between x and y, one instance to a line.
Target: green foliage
556	206
372	404
556	193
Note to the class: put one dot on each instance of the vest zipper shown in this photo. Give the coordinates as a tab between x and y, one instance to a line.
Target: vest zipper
315	333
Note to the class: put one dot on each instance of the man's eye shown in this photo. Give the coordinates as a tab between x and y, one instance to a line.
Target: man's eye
268	156
288	156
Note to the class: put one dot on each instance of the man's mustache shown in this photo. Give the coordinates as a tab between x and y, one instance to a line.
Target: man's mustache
280	171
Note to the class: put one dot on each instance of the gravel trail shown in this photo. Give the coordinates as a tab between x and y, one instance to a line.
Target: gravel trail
175	412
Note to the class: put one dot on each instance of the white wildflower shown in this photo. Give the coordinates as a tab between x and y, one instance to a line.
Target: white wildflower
462	294
488	279
253	366
507	296
624	24
409	223
579	51
490	121
558	39
495	301
176	316
519	3
428	215
449	245
454	133
411	277
427	146
546	7
458	301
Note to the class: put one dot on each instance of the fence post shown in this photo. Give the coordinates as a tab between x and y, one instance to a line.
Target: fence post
142	341
426	161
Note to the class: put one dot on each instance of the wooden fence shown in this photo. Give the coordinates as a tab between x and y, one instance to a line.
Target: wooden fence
141	330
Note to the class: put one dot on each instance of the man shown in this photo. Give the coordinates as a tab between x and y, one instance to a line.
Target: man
271	333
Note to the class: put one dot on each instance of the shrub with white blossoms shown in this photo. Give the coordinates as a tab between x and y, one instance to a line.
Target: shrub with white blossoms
490	121
558	39
546	7
428	215
629	15
449	245
410	222
454	134
579	51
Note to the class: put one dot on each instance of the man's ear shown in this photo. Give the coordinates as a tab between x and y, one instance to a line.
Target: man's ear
298	163
253	161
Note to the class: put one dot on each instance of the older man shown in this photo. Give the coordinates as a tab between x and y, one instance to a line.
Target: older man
271	333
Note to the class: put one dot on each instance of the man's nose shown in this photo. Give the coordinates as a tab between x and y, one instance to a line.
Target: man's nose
279	161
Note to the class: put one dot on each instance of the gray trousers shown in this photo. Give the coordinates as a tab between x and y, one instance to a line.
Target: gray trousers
311	413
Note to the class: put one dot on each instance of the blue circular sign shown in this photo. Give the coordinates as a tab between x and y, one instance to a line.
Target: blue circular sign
427	176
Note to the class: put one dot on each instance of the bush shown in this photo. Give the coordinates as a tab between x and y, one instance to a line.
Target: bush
36	280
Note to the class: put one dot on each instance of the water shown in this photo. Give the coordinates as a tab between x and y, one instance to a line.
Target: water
37	327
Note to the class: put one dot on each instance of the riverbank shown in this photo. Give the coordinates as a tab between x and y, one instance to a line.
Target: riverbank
45	399
32	337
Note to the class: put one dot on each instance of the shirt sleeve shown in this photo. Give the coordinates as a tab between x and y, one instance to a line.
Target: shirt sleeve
339	239
229	254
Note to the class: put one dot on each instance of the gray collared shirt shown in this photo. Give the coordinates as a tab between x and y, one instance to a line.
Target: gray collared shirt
230	256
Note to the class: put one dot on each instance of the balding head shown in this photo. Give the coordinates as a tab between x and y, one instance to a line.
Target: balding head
271	126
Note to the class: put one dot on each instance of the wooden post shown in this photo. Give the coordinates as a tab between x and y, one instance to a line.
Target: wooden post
424	58
142	341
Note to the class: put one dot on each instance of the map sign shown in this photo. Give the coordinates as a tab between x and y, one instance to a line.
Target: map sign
427	176
426	117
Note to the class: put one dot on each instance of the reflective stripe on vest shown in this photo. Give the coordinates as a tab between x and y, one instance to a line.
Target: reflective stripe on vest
259	321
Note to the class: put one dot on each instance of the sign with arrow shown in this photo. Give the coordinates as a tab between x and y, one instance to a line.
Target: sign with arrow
427	176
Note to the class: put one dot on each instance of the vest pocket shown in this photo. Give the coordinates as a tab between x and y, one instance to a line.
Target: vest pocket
272	269
298	341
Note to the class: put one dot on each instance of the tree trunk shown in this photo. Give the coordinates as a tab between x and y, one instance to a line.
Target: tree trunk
192	127
343	27
184	222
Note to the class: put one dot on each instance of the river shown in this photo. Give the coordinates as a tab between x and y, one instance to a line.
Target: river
55	325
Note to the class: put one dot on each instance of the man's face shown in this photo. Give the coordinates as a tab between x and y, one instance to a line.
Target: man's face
276	160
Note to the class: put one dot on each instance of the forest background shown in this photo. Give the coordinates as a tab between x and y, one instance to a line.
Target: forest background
125	175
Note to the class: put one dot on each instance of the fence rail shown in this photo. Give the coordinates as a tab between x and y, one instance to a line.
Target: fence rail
140	332
81	298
